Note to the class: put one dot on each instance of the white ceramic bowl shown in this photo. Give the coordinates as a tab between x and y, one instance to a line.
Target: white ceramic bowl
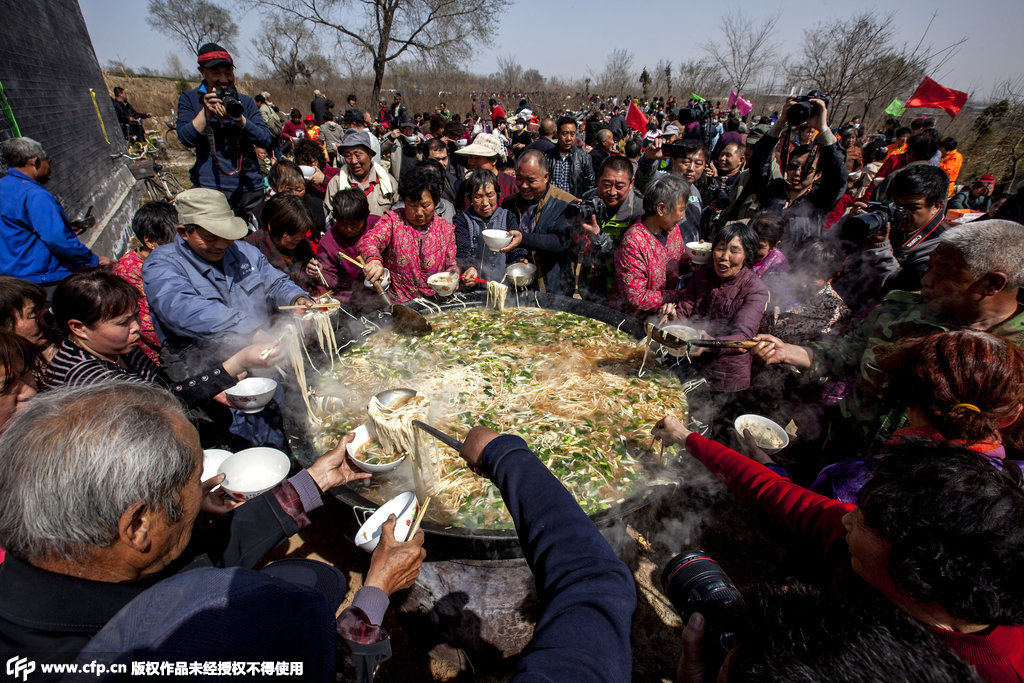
403	506
745	421
365	434
385	280
444	283
212	458
251	394
307	171
253	471
681	331
496	239
700	252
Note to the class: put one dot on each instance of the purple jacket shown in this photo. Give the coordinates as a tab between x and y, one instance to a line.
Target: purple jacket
339	273
727	310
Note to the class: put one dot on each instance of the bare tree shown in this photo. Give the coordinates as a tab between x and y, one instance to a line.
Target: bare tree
387	30
835	54
999	145
510	72
743	48
701	77
290	50
896	72
532	80
174	68
617	77
192	22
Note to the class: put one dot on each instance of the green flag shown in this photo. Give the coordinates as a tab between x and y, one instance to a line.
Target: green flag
695	96
895	108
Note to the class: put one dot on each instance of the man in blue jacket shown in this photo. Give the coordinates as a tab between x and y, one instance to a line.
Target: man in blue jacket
225	128
36	239
210	292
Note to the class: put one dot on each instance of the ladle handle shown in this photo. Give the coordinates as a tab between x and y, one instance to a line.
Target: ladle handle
439	435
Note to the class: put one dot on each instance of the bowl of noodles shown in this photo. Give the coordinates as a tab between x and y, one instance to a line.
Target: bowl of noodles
770	437
444	283
365	454
700	252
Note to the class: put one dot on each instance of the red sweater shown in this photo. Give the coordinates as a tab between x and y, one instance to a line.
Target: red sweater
997	655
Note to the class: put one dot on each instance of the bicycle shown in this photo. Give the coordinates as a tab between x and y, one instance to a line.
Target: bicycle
152	143
160	185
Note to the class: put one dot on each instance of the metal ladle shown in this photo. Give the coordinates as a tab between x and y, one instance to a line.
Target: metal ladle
389	396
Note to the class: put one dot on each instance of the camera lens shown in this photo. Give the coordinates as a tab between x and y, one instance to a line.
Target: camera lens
799	114
692	578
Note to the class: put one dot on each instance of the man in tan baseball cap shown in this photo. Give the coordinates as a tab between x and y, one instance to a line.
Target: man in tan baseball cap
208	289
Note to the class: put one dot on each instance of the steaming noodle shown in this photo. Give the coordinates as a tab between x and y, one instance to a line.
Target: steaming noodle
496	293
397	436
565	383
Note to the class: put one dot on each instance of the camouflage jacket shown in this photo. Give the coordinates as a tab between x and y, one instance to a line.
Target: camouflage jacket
901	315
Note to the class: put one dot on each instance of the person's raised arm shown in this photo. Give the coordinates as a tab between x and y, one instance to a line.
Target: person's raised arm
588	594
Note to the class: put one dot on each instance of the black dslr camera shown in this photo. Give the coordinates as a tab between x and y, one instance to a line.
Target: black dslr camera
800	112
695	583
716	194
697	111
875	221
232	105
587	208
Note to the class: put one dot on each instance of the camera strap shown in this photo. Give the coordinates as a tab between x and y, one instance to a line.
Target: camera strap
917	237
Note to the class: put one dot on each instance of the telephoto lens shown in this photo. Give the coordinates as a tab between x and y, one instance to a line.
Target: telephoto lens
696	583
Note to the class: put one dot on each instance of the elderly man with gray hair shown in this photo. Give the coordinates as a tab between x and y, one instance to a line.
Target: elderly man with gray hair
973	279
99	497
37	242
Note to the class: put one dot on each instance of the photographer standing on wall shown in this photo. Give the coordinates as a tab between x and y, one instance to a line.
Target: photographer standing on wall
225	128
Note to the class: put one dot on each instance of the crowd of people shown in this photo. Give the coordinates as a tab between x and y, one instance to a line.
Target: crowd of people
879	293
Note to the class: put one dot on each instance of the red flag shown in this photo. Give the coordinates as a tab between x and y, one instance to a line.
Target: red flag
931	94
635	118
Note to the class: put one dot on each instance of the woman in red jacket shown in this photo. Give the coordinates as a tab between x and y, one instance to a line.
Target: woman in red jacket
937	531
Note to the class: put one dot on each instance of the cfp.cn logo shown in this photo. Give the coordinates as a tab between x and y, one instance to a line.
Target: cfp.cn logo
20	666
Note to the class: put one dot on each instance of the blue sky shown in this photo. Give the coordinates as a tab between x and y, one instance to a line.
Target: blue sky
535	32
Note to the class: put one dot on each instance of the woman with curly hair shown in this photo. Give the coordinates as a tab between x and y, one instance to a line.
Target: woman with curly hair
963	386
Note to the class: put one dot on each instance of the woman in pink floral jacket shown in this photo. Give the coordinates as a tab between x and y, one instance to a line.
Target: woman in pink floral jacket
647	260
411	242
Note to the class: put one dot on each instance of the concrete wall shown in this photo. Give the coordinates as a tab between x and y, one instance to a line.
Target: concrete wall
47	67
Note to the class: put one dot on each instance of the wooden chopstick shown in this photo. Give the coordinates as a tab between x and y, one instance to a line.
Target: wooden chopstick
419	518
321	274
351	260
307	306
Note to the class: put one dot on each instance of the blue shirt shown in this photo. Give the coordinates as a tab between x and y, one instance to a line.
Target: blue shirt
36	239
225	154
191	298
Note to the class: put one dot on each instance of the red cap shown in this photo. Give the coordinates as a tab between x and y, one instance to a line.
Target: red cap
987	178
309	118
212	54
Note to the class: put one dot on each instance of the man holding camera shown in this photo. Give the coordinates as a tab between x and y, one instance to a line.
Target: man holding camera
604	216
895	239
813	176
225	128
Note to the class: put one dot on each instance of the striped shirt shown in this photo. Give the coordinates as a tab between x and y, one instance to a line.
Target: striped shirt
73	366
